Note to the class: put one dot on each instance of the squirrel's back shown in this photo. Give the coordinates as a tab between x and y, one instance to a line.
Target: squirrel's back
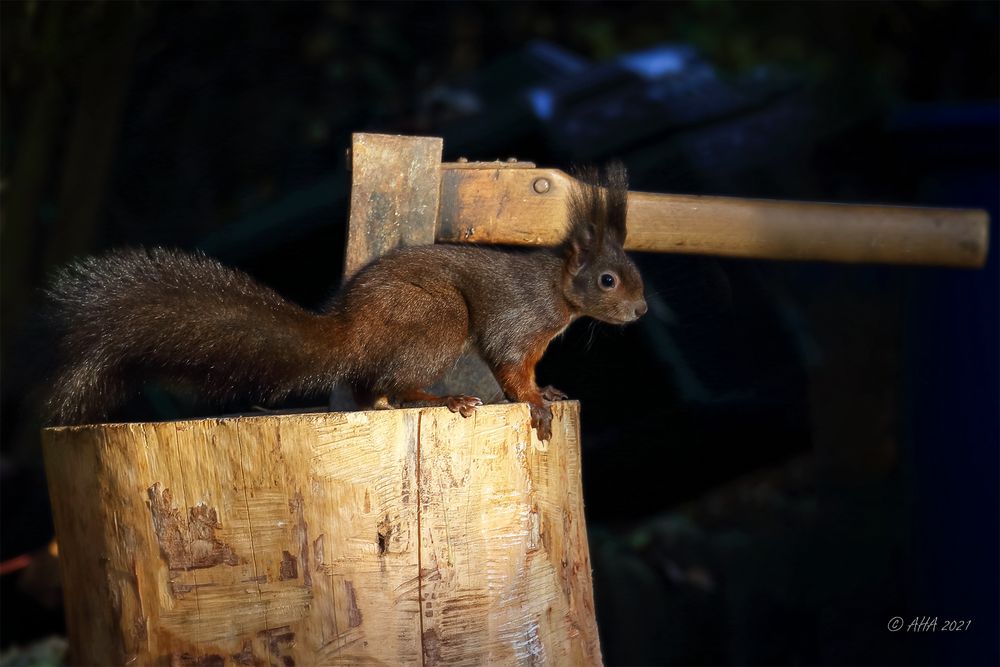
181	314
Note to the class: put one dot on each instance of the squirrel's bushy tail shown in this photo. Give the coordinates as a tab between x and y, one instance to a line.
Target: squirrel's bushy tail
133	316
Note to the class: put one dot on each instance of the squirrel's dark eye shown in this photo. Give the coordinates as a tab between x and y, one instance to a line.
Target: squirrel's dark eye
608	280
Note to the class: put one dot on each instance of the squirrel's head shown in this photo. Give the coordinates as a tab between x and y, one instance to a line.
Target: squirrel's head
600	280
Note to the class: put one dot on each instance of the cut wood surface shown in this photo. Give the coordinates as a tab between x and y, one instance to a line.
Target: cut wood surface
528	207
385	537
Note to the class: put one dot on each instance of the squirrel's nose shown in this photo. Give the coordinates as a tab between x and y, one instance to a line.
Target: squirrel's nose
640	309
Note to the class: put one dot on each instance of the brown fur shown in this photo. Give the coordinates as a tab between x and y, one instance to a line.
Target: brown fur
394	329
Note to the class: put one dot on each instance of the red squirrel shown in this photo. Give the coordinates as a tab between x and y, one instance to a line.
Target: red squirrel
391	331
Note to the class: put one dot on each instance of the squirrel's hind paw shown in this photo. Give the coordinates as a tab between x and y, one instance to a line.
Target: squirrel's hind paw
552	394
463	405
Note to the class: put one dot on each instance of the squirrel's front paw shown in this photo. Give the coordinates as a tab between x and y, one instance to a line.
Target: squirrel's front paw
541	420
463	405
550	394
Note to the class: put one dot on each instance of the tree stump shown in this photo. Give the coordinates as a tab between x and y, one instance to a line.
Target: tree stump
399	537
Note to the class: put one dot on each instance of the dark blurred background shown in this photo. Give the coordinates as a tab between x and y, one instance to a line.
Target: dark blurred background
779	458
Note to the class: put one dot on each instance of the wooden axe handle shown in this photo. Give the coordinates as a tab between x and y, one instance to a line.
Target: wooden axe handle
516	204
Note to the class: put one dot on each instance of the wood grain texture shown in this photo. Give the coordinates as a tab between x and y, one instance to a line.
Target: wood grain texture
528	207
506	571
395	189
383	537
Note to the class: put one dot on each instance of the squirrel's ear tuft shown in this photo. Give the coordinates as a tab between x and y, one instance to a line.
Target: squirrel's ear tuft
616	199
598	204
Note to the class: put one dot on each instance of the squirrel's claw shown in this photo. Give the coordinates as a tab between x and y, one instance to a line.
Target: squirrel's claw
541	420
552	394
463	405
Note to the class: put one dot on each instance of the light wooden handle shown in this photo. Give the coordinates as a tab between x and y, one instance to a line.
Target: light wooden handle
792	230
520	205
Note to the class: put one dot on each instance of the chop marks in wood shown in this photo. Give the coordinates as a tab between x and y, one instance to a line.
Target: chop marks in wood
341	484
386	527
279	642
289	568
353	612
300	545
508	586
296	508
191	544
189	660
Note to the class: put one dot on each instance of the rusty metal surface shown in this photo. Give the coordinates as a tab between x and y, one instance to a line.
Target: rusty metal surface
395	186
